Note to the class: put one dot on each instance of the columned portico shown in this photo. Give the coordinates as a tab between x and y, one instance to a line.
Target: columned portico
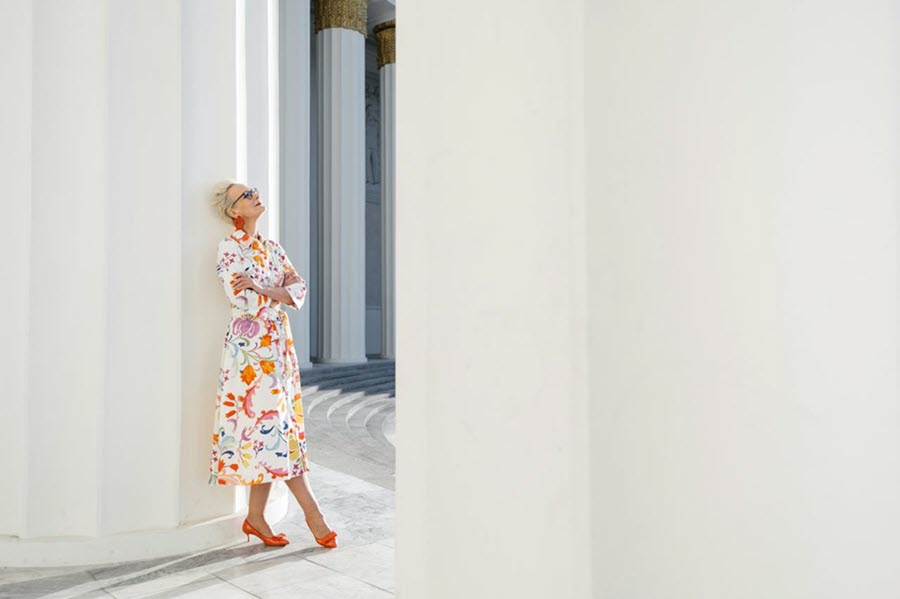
340	47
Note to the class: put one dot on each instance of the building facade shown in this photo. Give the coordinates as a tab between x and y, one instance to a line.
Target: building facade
343	87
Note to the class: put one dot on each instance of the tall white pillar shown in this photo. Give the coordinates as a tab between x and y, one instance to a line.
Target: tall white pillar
489	268
68	234
16	69
385	34
340	38
213	146
131	114
294	90
743	243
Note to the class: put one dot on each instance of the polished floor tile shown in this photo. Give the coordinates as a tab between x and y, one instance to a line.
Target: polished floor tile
360	567
372	563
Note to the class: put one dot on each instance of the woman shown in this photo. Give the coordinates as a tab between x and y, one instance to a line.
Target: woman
259	436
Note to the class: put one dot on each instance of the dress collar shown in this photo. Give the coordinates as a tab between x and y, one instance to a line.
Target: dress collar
244	238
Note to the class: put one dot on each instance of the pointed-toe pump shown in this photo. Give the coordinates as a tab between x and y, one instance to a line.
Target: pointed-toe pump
278	540
329	540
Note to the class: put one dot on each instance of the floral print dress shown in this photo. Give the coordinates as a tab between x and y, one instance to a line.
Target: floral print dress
258	434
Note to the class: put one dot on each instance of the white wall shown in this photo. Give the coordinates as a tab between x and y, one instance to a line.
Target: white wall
491	466
743	249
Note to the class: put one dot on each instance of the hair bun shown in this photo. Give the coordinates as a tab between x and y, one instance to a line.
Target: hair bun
220	199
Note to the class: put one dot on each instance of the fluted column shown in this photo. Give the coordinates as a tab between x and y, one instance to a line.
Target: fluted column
108	420
384	34
340	43
110	405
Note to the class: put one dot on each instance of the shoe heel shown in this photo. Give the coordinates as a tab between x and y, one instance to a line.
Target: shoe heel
277	540
329	540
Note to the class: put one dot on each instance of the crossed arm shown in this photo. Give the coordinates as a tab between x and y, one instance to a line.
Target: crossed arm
279	294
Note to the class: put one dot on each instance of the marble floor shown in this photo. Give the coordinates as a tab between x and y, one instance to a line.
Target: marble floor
361	567
350	416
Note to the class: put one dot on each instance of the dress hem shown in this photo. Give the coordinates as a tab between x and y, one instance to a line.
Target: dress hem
214	481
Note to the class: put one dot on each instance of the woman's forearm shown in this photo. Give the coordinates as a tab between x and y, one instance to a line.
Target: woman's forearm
278	293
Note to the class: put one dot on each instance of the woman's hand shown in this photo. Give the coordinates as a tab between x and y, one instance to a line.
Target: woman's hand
244	281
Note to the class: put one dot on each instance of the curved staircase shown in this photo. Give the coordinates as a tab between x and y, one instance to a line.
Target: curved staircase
349	413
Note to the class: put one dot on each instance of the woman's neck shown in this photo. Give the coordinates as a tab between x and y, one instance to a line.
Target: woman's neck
250	228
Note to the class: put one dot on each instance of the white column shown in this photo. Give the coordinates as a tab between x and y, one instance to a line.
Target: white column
294	87
385	33
16	69
215	137
133	116
744	296
144	162
68	235
490	328
340	26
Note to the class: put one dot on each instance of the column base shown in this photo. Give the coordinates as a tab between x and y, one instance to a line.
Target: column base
139	545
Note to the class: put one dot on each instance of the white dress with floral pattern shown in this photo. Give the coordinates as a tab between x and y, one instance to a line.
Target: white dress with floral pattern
258	434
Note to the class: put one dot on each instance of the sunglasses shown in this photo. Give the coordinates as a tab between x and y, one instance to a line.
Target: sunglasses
247	194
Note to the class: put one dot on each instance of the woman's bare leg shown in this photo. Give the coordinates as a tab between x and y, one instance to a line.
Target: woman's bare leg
299	486
259	494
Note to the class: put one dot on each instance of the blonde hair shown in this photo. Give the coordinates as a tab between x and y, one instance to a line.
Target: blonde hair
220	201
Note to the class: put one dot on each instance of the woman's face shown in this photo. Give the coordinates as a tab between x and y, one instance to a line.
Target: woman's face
248	204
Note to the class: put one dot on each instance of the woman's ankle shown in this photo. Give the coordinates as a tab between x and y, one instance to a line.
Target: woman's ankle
256	517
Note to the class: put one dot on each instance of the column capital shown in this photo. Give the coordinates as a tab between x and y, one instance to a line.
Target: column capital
385	36
346	14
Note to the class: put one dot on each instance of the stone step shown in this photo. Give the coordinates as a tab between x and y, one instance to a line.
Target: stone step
338	375
342	420
349	412
313	398
354	379
376	423
327	371
389	427
352	415
337	407
334	414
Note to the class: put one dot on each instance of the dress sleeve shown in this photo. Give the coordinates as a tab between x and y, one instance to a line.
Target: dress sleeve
229	264
297	290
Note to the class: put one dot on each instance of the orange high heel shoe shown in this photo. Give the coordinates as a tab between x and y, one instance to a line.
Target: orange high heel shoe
278	540
326	541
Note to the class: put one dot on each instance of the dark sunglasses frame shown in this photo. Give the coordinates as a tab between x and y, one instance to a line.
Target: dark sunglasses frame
247	194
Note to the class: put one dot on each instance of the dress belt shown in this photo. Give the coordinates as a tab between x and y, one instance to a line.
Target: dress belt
264	313
270	313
